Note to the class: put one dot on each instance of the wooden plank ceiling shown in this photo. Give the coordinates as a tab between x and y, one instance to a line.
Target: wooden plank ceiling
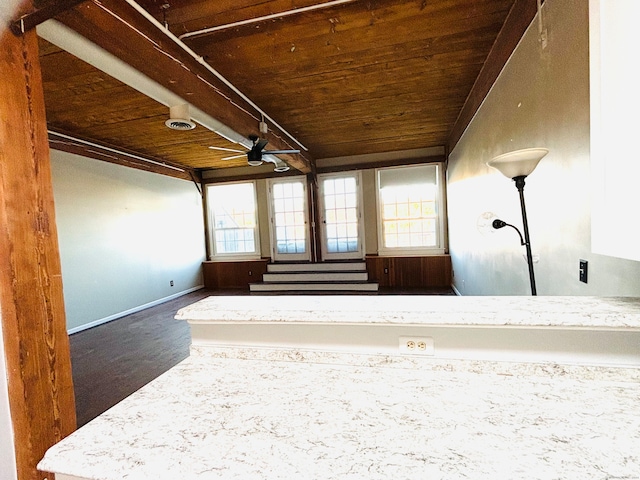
356	77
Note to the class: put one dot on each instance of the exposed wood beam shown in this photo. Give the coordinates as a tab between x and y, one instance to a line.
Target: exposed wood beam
520	16
31	20
119	29
383	164
120	156
36	344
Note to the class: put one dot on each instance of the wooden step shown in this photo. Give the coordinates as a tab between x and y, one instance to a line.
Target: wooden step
357	266
348	276
319	276
314	287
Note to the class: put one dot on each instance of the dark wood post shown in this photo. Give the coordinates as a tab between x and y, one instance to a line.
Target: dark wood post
36	344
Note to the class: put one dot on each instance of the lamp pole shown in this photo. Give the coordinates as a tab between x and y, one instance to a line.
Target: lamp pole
527	242
516	166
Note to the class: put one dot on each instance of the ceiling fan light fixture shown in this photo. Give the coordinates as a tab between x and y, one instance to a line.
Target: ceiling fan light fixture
179	118
255	163
280	166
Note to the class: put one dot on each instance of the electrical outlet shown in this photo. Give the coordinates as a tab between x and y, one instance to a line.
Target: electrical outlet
171	283
416	346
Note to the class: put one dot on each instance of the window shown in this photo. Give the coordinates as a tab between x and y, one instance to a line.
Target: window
232	220
408	208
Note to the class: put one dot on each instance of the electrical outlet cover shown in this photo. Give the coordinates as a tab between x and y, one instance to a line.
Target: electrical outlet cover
416	345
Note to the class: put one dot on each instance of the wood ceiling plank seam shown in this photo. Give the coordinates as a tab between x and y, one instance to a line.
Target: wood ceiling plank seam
432	48
380	120
436	61
423	64
360	32
358	14
206	10
400	94
388	99
390	79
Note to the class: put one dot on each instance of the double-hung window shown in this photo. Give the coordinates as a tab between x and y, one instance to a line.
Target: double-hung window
410	210
233	221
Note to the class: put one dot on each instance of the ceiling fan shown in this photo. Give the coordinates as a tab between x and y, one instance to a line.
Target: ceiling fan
254	155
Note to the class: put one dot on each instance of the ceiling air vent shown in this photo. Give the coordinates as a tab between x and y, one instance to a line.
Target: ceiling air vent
179	118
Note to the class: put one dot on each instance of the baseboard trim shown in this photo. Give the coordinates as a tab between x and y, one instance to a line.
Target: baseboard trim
139	308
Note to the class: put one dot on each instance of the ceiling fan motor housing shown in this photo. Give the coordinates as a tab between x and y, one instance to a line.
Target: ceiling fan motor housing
254	157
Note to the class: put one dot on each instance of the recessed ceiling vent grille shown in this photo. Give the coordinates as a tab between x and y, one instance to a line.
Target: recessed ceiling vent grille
179	118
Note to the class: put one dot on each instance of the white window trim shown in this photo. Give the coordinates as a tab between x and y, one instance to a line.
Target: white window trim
281	257
361	253
231	257
440	203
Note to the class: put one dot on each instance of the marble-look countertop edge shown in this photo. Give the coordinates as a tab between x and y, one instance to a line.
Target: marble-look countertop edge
615	313
367	360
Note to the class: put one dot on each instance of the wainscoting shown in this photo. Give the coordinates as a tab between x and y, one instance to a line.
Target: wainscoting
410	272
233	275
432	271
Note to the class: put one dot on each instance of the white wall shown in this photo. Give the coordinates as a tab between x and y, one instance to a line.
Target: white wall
541	99
124	234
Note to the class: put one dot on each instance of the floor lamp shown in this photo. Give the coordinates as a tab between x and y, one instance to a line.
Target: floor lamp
517	166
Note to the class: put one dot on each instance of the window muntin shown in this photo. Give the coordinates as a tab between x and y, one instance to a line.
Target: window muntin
408	208
233	219
341	214
289	217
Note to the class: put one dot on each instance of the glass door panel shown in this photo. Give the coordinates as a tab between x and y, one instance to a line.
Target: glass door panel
289	220
340	214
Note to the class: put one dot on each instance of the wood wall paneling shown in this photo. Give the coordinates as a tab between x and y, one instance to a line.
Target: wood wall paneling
233	275
410	272
36	345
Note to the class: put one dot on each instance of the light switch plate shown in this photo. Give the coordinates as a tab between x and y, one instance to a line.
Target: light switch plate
584	268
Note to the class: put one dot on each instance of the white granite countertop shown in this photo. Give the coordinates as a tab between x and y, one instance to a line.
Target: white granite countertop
241	416
269	411
566	312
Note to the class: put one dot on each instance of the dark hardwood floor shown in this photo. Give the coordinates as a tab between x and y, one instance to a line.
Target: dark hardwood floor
113	360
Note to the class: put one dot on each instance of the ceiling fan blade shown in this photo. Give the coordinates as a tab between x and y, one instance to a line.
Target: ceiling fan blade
275	152
234	157
224	149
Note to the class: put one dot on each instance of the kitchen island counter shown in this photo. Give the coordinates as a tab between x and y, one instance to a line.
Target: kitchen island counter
272	412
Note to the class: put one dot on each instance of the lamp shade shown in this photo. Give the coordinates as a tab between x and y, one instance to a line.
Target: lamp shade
518	163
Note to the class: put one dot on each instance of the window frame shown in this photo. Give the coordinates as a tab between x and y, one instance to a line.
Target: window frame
360	253
214	255
284	257
439	248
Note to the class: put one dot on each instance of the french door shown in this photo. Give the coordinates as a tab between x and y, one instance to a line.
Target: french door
289	219
340	216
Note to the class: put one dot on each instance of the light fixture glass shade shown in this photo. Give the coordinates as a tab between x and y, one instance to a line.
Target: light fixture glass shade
518	163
